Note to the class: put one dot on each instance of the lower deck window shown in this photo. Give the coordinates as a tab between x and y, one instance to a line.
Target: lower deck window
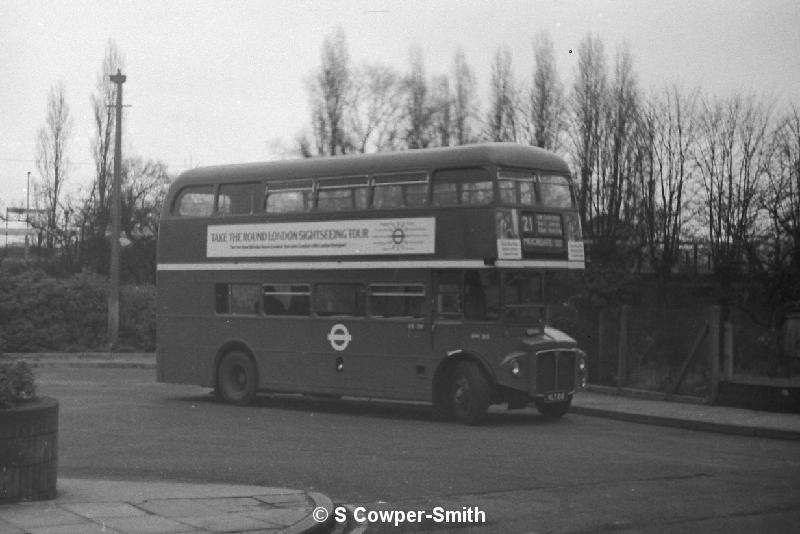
236	299
287	299
339	299
393	300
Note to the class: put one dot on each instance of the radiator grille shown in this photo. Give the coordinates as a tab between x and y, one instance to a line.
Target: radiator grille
555	371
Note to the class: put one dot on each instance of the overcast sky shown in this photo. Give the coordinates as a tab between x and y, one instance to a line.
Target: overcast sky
220	82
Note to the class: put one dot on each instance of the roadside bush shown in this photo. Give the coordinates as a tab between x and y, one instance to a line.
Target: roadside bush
42	313
137	310
16	383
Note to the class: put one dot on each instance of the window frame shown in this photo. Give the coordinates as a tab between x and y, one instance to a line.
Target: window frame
535	179
292	292
461	177
359	301
344	183
195	189
254	188
406	295
304	186
230	309
395	179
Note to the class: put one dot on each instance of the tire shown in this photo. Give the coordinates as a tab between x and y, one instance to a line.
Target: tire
237	378
553	410
442	408
469	394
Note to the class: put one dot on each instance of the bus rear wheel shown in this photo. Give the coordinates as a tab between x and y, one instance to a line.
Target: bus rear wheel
237	378
469	394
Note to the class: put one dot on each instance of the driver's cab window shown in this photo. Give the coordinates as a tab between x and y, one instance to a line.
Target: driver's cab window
473	295
448	294
523	297
481	295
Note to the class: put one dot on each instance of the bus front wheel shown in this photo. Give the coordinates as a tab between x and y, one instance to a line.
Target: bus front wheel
469	394
237	378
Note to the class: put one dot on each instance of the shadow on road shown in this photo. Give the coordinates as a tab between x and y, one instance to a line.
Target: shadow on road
498	415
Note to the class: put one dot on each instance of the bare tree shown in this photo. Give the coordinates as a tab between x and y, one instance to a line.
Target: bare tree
95	214
418	108
464	105
781	195
618	155
51	156
102	143
144	185
732	162
502	120
669	121
545	120
330	91
373	115
587	104
442	111
779	261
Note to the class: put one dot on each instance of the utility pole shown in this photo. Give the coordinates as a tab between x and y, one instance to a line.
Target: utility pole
27	215
113	290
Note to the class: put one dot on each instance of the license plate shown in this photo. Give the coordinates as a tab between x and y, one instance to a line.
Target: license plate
556	396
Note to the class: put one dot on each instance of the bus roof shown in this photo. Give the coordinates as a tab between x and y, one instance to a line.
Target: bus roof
498	154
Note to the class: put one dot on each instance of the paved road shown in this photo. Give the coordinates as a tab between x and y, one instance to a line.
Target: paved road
580	474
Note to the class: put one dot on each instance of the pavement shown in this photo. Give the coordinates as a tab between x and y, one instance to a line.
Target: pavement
85	506
687	414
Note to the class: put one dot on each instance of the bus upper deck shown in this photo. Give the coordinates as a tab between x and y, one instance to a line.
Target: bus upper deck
499	204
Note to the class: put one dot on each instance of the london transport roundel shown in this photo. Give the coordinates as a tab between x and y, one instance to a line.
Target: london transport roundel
339	337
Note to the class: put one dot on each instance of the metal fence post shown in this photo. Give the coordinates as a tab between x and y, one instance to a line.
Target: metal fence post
622	354
714	338
601	360
727	351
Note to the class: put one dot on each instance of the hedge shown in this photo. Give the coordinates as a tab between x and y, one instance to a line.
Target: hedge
42	313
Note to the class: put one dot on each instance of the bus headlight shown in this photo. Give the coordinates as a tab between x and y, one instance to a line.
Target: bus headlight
515	370
582	369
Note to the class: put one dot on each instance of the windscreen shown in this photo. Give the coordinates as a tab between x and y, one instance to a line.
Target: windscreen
528	188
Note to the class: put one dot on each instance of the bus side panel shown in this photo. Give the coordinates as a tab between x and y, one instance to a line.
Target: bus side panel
379	359
180	306
176	359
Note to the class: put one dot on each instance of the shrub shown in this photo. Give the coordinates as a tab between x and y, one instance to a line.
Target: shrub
137	310
16	383
41	313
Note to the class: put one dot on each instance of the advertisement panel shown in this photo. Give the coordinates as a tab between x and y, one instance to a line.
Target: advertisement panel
361	237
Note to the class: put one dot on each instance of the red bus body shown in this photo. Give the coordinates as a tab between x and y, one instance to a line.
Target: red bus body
415	276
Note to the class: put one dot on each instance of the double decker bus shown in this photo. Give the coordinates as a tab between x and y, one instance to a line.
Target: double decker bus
415	276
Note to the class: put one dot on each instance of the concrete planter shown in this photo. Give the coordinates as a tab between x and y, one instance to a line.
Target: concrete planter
29	451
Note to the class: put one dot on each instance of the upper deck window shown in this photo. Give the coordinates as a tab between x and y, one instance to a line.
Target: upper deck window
472	187
341	194
236	199
529	189
399	190
194	201
554	192
289	197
